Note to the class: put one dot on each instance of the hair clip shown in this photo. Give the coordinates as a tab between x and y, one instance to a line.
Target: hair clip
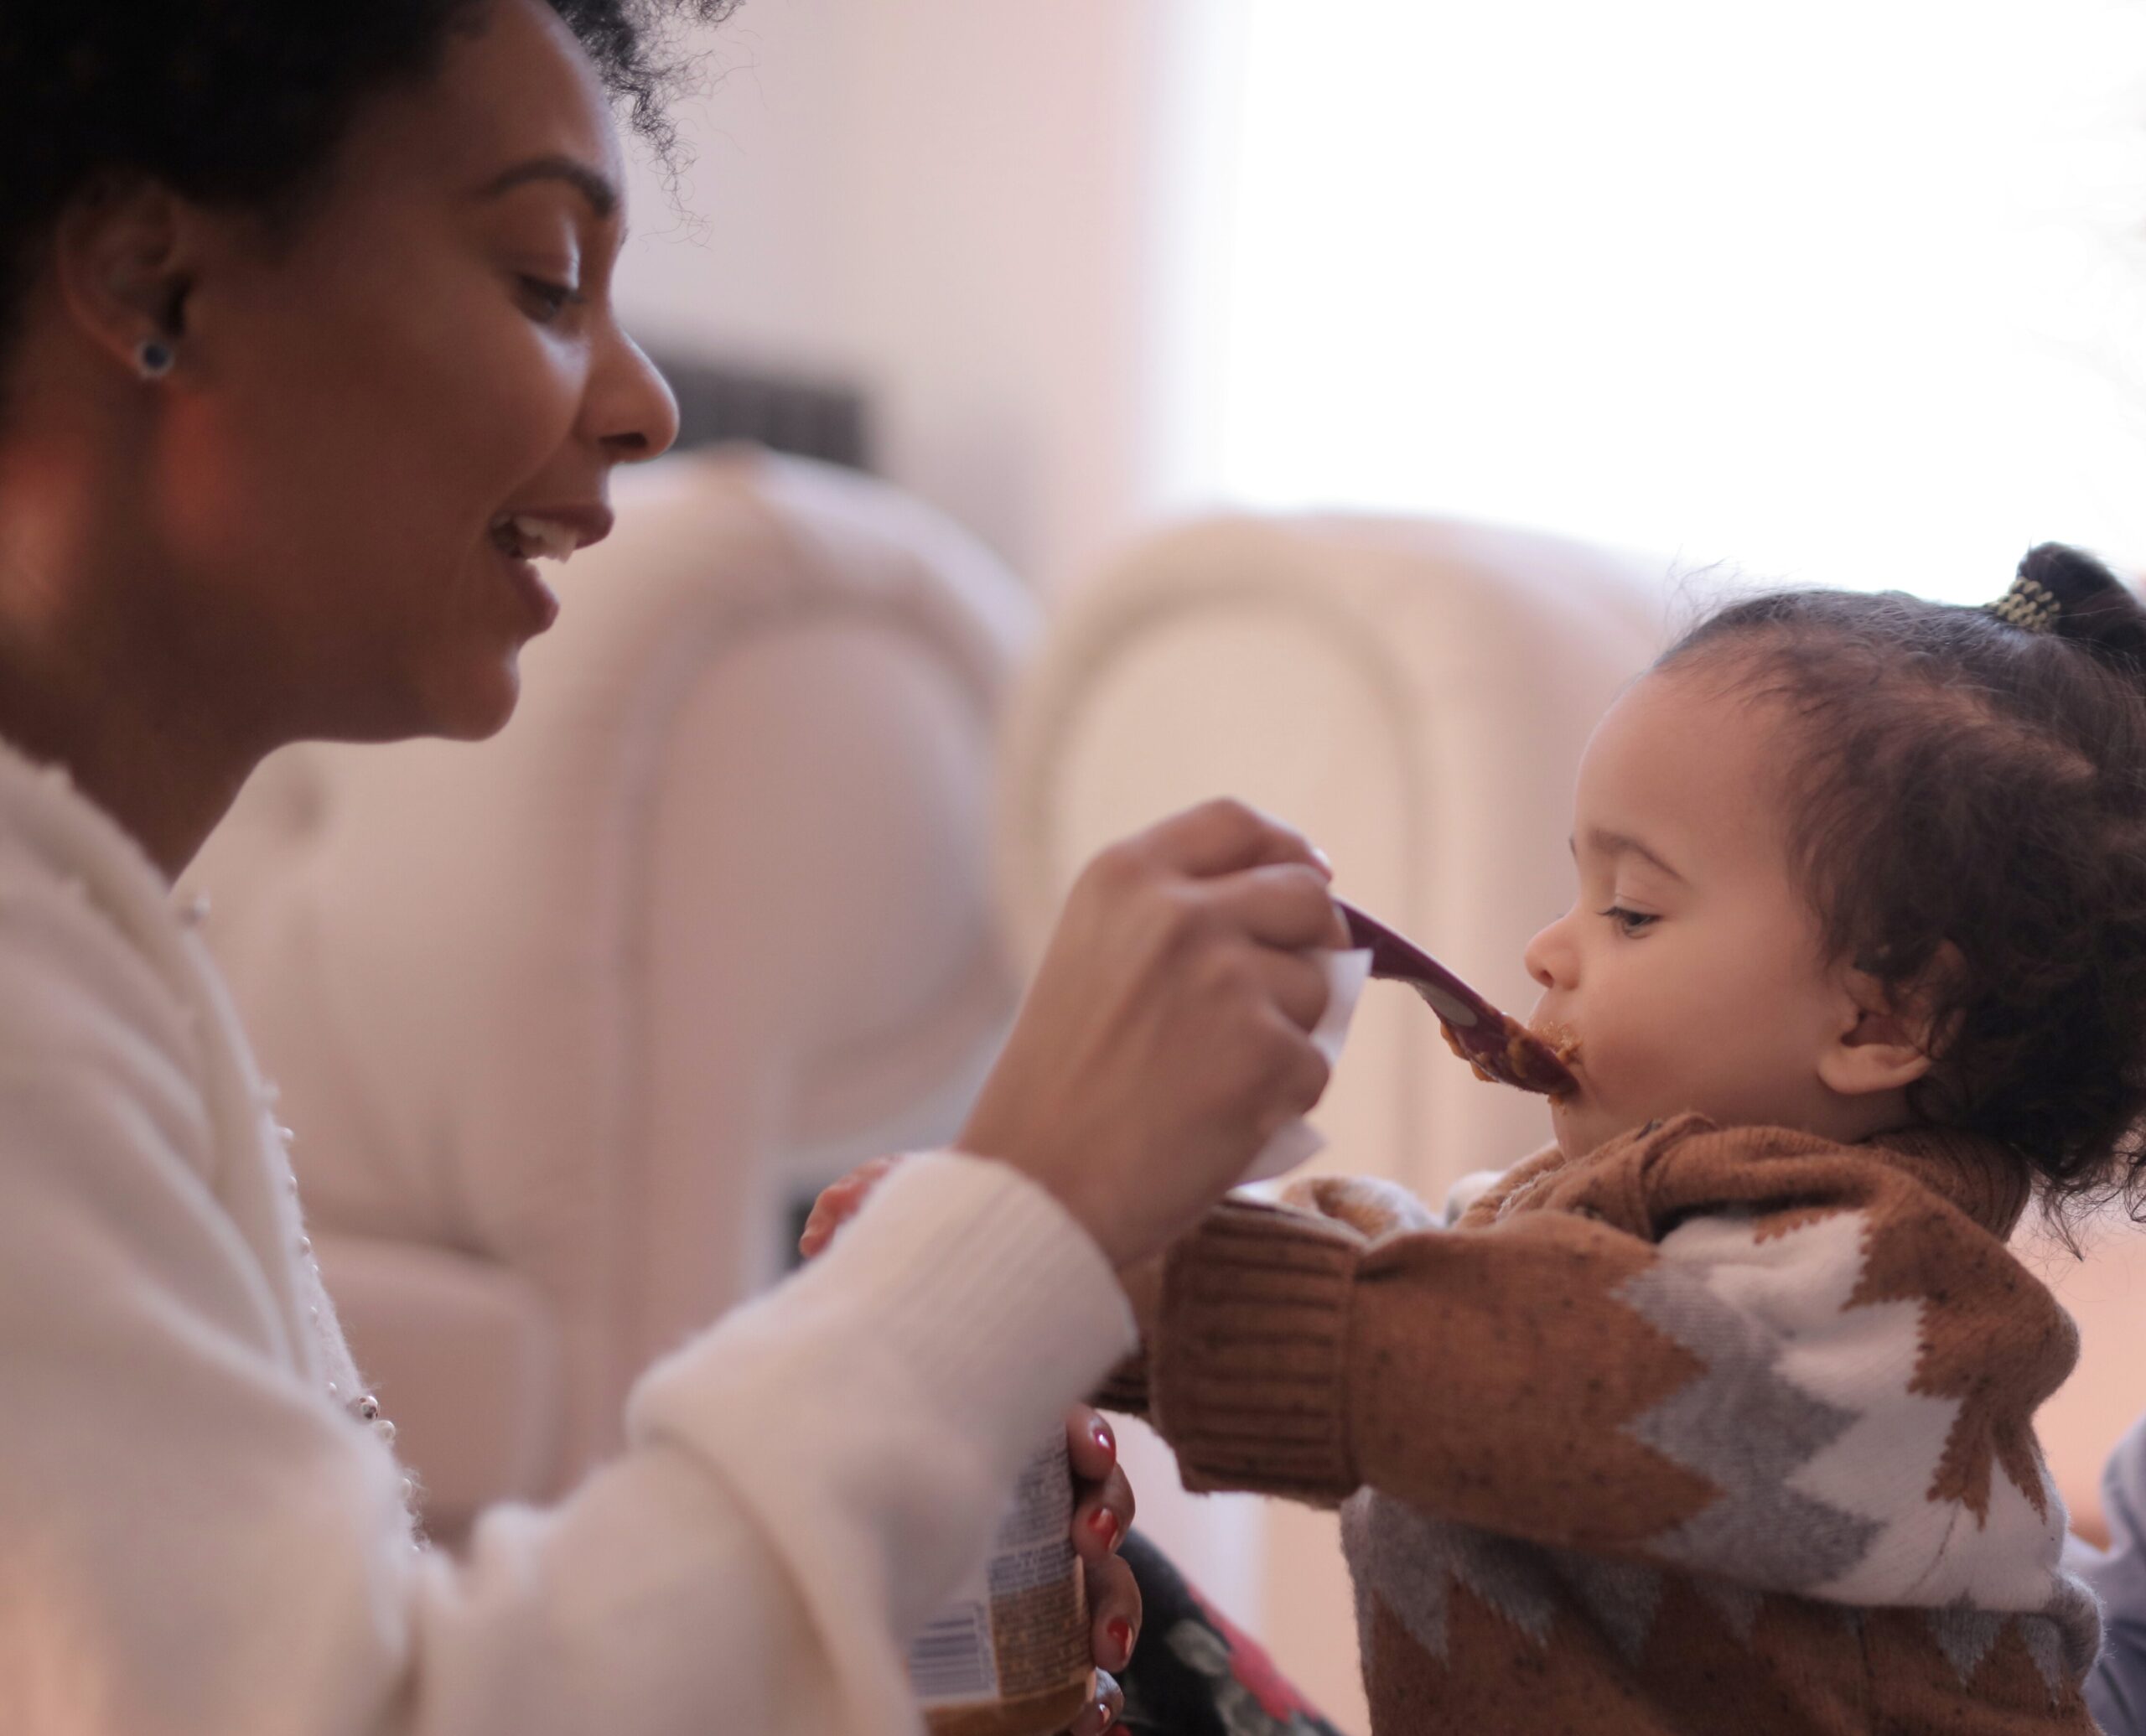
2029	605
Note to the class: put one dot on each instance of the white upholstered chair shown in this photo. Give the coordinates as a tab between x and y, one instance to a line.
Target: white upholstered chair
564	1023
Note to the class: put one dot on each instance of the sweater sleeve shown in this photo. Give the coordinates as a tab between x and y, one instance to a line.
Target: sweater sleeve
193	1542
1783	1362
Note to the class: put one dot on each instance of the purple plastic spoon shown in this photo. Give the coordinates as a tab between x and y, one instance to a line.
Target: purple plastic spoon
1496	1045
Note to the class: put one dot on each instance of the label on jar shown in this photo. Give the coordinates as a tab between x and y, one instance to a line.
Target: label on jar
1019	1625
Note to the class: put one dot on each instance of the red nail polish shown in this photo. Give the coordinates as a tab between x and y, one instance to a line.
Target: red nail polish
1105	1439
1104	1524
1121	1636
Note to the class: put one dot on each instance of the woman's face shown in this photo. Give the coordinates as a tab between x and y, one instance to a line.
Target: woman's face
360	406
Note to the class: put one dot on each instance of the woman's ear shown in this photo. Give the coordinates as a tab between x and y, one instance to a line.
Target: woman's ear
119	255
1887	1038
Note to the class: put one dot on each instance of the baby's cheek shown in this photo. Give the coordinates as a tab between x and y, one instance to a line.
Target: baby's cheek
1628	1082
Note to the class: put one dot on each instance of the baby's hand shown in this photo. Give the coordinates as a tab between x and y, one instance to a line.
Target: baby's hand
1374	1209
840	1202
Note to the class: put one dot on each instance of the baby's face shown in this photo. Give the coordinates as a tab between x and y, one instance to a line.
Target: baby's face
1690	967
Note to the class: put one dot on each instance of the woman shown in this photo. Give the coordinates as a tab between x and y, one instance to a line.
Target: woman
306	349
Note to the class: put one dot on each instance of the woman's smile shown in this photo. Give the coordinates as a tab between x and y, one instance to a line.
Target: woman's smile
522	537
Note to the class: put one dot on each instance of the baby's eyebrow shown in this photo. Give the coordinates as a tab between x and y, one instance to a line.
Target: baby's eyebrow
1613	844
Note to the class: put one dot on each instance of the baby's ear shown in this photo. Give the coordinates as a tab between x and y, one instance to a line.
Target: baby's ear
1888	1036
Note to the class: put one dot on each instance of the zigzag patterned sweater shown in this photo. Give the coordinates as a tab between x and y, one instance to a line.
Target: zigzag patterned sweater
1710	1429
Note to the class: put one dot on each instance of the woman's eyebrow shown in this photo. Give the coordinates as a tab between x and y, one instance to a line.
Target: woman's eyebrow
1613	844
592	184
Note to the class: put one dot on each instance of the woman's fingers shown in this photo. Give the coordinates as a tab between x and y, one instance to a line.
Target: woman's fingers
1224	835
1163	1038
1103	1503
1294	984
1114	1612
1285	904
1091	1444
1102	1513
1102	1713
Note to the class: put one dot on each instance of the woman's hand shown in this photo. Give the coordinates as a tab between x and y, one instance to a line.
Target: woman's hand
1102	1499
1166	1036
1102	1513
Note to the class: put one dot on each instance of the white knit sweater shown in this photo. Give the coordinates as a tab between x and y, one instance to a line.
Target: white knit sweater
196	1538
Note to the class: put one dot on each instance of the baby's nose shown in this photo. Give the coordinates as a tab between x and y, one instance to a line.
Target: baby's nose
1543	956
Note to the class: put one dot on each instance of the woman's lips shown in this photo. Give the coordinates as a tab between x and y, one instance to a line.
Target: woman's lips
537	596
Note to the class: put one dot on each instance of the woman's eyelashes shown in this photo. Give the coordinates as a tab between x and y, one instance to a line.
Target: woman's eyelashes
1629	923
547	300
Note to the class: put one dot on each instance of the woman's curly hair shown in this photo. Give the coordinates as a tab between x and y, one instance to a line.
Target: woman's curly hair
1969	803
244	101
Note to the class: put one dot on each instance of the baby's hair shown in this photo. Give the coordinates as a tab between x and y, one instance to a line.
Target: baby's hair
1968	789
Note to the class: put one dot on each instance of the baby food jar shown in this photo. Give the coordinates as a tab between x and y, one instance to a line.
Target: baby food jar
1009	1654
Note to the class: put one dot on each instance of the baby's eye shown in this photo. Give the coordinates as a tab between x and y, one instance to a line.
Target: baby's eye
1629	923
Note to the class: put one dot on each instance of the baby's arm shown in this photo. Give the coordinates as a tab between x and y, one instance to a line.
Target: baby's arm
1373	1208
1796	1367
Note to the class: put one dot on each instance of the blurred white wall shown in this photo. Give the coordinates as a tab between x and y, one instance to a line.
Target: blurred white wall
961	205
1851	291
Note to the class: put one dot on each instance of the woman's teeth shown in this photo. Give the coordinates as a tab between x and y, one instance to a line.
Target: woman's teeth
538	539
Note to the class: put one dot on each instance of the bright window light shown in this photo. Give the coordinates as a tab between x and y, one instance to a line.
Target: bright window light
1850	291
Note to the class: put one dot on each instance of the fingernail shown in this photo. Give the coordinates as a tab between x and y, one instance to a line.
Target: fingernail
1105	1439
1104	1524
1324	860
1121	1636
1110	1718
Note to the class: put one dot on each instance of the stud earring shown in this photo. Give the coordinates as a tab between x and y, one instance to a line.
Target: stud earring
153	358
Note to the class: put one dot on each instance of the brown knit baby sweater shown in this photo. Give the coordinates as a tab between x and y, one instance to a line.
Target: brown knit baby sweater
1711	1429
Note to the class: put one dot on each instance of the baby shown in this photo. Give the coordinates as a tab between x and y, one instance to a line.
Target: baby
1718	1414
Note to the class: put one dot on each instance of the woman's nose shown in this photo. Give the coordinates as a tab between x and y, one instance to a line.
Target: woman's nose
630	408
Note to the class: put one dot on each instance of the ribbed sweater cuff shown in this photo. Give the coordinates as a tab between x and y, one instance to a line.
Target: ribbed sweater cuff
962	1283
988	1285
1245	1372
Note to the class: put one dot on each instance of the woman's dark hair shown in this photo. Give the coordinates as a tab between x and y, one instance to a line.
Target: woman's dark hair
1968	790
244	101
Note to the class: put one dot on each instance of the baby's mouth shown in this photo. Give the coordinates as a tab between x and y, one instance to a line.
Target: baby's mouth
1562	1041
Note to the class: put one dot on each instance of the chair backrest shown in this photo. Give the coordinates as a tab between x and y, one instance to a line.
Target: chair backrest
582	1009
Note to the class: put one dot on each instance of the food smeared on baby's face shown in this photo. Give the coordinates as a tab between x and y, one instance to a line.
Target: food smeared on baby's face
1522	1044
1563	1045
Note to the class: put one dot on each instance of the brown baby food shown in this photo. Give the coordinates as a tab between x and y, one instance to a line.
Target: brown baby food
1521	1046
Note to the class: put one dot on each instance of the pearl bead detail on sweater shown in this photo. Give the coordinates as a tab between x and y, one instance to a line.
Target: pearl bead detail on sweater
364	1408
